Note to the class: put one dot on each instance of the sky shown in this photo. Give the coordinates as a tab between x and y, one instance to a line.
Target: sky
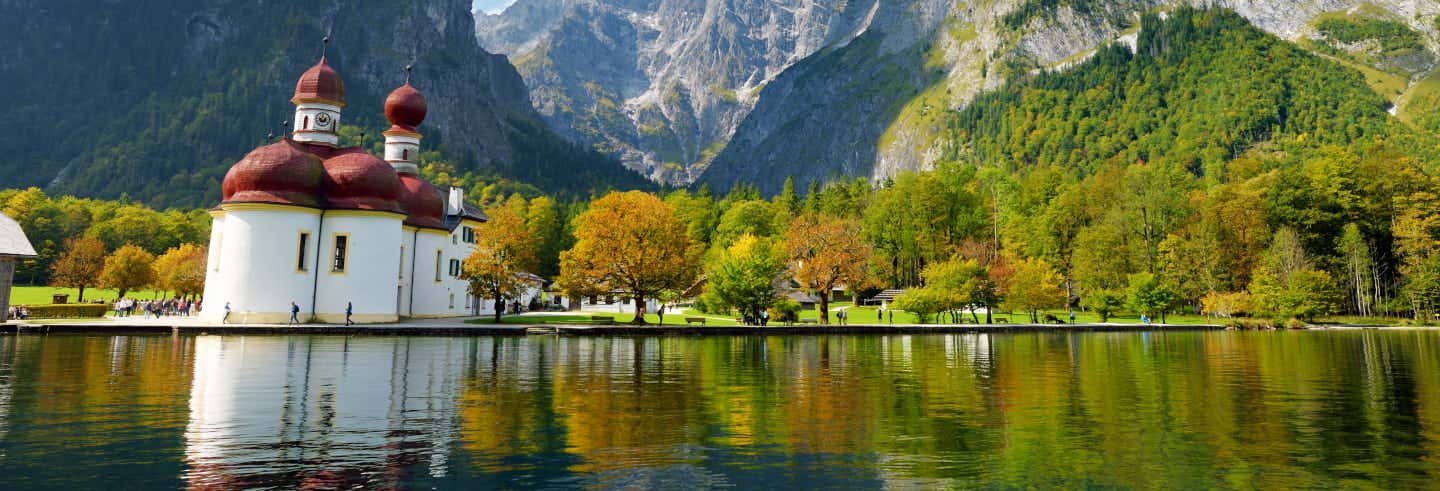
492	6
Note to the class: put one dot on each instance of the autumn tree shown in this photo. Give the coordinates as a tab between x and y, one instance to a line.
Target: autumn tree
504	247
631	243
182	270
128	268
748	274
80	265
825	252
959	285
1034	286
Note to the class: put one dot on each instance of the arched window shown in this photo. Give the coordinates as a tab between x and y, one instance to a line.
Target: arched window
405	154
306	126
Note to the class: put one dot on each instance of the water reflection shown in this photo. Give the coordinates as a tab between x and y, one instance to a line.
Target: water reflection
1191	410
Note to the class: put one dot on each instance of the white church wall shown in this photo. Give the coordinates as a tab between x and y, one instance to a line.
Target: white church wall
371	269
214	281
432	291
258	258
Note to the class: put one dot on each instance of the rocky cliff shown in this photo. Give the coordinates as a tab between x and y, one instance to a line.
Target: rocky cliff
856	88
661	83
155	98
880	129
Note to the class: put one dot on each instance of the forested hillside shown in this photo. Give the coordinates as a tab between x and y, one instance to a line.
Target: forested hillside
1214	156
155	99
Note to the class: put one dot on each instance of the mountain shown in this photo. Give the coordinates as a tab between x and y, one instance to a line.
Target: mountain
869	88
154	99
662	84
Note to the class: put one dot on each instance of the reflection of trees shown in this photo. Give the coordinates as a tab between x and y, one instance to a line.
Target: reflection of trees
1176	409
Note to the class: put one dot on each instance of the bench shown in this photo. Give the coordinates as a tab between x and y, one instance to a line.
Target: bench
602	319
692	320
1002	320
808	321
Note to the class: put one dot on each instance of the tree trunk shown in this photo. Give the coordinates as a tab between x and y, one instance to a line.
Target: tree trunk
499	306
639	310
82	295
824	307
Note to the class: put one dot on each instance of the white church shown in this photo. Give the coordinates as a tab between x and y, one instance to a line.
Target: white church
303	220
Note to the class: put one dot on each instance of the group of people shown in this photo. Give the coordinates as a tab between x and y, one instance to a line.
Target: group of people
126	307
18	312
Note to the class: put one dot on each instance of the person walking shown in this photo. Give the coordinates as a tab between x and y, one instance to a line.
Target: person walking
764	317
1072	317
226	317
891	313
349	309
294	313
880	315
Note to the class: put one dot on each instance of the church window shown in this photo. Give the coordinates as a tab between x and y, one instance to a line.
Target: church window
438	258
404	154
402	262
452	300
300	257
342	246
306	124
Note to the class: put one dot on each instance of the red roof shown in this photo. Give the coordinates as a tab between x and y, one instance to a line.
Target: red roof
320	84
279	173
356	180
405	107
422	202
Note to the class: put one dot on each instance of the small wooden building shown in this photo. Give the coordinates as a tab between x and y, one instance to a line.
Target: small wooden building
13	247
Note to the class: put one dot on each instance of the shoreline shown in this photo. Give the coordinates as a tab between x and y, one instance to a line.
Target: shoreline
454	328
458	328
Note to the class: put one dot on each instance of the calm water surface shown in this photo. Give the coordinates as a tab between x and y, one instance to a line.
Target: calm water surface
1349	409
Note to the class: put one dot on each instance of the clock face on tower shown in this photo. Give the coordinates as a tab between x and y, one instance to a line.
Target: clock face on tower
322	120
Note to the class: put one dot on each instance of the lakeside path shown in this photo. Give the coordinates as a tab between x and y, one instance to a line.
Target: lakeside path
458	327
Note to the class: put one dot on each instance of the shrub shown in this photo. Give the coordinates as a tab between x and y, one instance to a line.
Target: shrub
67	311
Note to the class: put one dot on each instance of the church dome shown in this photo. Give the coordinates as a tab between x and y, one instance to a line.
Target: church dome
405	107
422	202
358	181
278	173
320	84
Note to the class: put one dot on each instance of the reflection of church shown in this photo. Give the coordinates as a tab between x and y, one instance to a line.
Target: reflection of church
321	412
305	220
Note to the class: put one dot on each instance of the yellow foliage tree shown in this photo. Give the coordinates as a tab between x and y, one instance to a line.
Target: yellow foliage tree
182	270
824	252
1034	286
80	265
504	247
629	243
128	268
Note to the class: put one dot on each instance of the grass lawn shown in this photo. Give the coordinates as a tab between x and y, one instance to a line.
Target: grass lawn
40	295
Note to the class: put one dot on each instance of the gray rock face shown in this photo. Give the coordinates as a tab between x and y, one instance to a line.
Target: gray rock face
727	91
661	83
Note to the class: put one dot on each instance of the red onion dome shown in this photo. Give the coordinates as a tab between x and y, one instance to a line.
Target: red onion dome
422	202
279	173
320	84
358	181
405	107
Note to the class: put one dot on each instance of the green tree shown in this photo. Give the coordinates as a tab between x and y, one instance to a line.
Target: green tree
1148	296
748	274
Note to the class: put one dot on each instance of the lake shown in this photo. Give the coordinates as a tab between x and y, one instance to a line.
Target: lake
1304	409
